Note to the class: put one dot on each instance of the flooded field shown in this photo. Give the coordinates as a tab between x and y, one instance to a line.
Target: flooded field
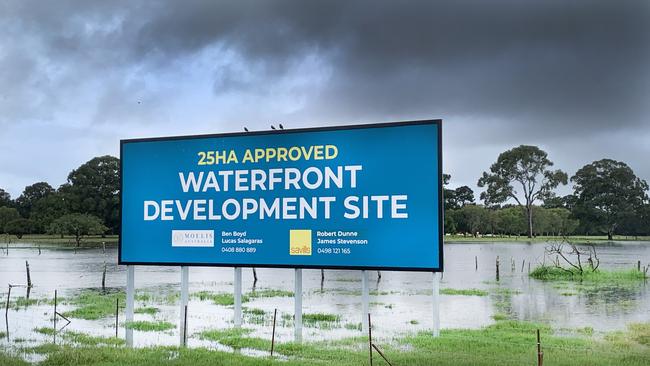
400	302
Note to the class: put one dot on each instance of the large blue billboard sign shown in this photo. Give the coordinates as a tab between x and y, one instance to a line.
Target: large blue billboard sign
357	197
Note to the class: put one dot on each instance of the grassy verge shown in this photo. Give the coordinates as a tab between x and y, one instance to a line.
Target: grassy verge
504	343
44	239
549	273
538	239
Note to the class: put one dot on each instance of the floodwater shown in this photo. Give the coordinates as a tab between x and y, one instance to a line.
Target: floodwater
400	302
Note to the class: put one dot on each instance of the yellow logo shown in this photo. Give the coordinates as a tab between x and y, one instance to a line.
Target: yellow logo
299	242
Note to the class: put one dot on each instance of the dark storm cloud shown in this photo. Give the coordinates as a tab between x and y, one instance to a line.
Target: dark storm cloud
574	64
500	72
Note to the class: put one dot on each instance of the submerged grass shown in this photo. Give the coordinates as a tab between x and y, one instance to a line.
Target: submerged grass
463	292
147	326
44	331
84	339
550	273
218	298
93	304
147	310
235	338
22	302
269	293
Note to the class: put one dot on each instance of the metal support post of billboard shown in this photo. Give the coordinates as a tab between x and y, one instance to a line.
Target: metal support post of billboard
436	304
365	301
237	290
130	297
185	276
297	321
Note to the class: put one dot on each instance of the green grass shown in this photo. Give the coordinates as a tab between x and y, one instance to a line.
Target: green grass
500	317
504	343
463	292
506	291
254	311
269	293
45	331
43	349
236	338
147	326
147	310
549	273
8	360
353	326
93	305
218	298
22	302
88	340
169	298
320	319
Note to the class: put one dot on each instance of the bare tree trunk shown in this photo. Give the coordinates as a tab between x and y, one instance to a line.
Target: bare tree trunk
529	211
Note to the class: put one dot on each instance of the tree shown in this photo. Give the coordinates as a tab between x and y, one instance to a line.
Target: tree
93	188
48	209
78	225
456	198
7	214
463	195
18	227
448	194
5	198
472	219
607	193
31	195
525	166
510	221
450	223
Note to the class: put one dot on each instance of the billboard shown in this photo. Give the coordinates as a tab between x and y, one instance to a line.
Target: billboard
355	197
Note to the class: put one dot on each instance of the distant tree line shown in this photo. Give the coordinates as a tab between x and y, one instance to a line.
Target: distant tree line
87	204
519	199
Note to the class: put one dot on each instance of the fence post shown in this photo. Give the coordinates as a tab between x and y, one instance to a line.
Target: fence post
540	354
104	278
29	277
8	299
497	268
275	314
370	338
55	312
185	327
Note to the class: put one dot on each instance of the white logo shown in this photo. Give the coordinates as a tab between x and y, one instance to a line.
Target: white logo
193	238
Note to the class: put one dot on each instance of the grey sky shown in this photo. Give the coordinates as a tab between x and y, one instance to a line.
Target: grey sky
570	76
